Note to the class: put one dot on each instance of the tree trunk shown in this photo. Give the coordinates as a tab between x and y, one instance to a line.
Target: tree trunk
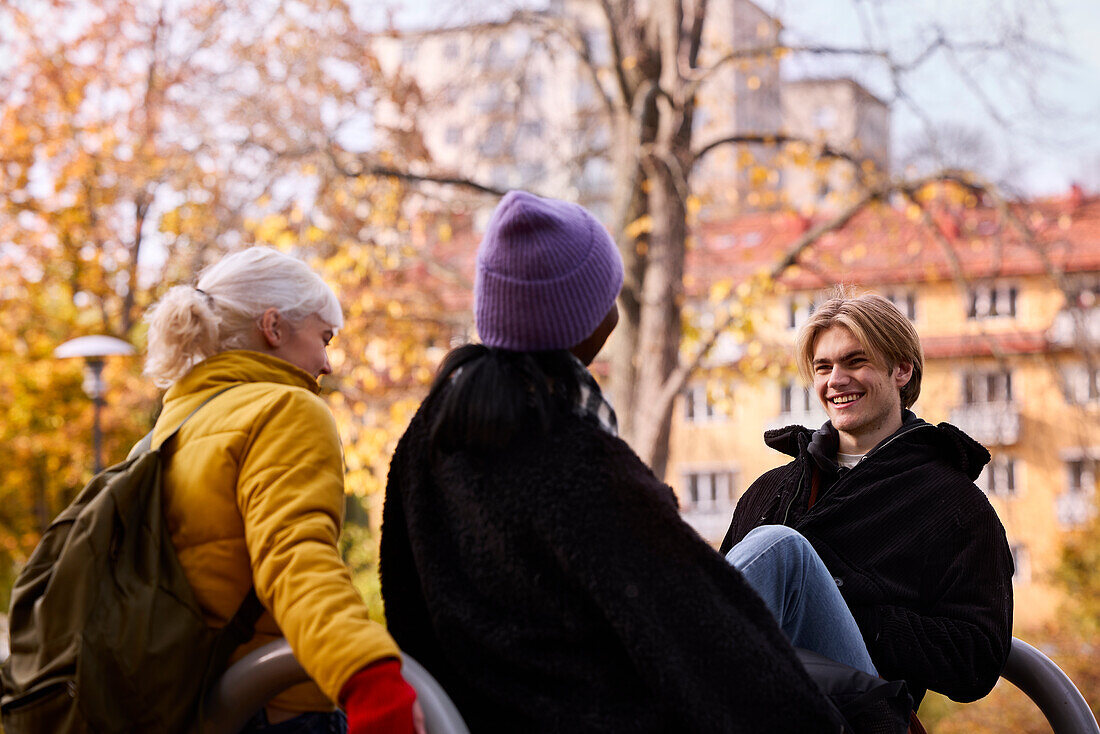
648	348
630	204
659	330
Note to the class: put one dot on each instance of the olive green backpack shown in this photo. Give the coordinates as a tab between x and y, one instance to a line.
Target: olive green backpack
106	635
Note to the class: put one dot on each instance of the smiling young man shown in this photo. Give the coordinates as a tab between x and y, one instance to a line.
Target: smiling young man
888	503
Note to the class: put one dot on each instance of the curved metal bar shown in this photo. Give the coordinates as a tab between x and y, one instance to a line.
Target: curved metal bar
1050	688
248	684
269	670
440	714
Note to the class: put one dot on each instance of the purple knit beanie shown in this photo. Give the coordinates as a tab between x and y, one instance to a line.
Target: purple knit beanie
547	274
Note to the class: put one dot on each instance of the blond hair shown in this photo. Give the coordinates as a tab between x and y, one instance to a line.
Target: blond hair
881	329
218	313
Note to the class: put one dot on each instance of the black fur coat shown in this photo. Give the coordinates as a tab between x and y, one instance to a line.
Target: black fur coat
554	588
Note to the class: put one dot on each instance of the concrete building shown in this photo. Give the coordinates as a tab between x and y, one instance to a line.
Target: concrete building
492	100
510	105
846	117
741	97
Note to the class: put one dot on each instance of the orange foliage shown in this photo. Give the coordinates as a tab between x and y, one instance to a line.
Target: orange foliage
130	157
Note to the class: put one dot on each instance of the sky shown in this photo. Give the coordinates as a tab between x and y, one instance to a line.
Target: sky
1048	132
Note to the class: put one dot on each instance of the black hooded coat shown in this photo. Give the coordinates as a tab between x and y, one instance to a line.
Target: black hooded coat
553	587
916	549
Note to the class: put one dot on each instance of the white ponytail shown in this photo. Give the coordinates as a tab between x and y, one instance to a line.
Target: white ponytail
190	324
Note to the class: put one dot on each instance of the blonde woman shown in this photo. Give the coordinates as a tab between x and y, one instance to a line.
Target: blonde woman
254	490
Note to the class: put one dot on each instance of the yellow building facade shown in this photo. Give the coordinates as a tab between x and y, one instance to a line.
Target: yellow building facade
1008	349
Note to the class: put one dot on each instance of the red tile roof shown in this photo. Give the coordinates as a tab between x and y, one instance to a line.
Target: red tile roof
879	247
885	245
985	345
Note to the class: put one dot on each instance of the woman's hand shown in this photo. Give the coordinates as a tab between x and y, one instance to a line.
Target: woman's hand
379	701
418	719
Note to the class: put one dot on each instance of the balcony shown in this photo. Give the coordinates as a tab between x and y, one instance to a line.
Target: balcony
991	424
812	418
711	526
1075	327
1074	509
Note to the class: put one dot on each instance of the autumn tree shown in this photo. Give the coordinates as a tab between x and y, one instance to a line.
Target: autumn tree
139	142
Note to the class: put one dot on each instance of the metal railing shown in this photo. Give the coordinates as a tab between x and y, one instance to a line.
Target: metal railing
259	676
267	671
1050	688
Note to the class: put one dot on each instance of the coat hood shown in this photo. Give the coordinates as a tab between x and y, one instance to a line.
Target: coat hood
961	450
955	447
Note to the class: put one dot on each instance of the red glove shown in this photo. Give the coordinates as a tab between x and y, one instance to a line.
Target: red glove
378	700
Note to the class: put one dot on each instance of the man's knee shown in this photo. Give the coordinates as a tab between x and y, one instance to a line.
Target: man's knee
779	535
768	540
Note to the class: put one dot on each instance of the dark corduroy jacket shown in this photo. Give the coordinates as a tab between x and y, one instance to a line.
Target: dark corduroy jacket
918	552
554	588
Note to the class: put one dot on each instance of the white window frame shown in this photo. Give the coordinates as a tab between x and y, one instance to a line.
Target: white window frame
1080	475
709	490
798	312
1075	506
698	408
983	387
1000	478
1082	384
992	301
905	299
795	399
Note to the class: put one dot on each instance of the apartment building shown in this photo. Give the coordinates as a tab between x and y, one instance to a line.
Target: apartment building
841	114
510	104
493	97
1010	331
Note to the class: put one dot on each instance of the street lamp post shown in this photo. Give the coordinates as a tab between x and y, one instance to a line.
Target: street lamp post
94	349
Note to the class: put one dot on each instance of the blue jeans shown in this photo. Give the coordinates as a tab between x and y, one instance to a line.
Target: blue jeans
315	722
789	576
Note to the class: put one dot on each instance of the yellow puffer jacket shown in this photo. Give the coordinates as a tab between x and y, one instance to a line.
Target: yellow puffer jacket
254	494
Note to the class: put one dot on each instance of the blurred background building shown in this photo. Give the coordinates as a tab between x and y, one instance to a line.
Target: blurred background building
1009	325
523	114
1009	329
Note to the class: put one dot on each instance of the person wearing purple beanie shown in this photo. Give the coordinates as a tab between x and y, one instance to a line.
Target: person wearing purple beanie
530	560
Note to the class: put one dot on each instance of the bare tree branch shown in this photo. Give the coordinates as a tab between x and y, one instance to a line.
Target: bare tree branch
695	35
374	169
576	40
824	150
626	90
697	77
678	378
367	167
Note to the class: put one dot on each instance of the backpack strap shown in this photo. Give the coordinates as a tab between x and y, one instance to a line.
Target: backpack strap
240	628
242	625
189	417
141	446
